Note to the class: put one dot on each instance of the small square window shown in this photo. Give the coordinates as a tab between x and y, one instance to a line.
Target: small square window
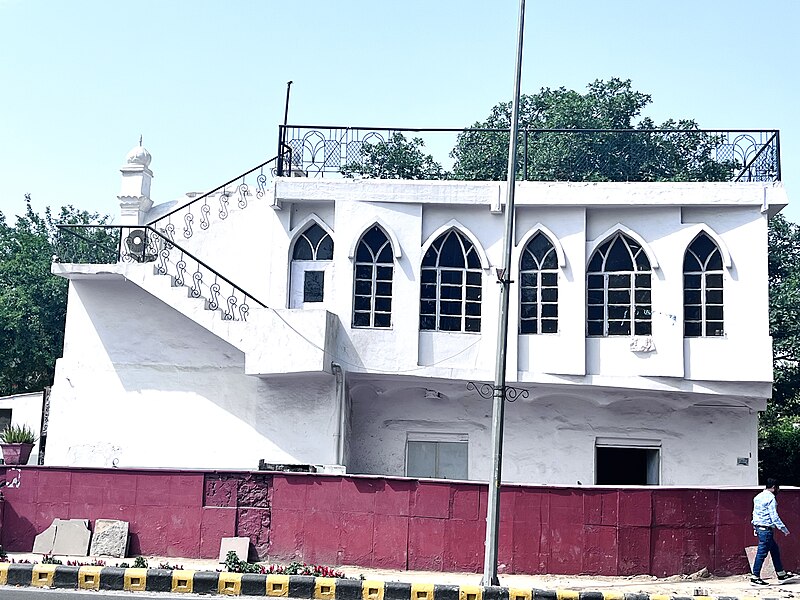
314	286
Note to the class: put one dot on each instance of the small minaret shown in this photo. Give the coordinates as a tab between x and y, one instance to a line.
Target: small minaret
134	196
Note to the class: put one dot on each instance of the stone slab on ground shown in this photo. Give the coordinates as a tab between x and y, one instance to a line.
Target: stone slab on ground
240	545
72	538
43	543
767	569
110	538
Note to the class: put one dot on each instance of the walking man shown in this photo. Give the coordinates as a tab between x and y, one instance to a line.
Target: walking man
765	522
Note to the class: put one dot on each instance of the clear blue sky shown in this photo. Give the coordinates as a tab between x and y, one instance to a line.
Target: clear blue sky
204	82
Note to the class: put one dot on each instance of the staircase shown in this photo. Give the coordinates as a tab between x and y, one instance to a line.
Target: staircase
274	341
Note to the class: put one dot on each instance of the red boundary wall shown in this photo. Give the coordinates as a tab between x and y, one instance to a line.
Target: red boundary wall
398	523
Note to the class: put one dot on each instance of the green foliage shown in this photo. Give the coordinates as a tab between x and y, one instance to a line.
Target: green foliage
784	297
396	158
556	156
140	562
233	564
17	434
779	450
32	301
779	428
298	568
48	559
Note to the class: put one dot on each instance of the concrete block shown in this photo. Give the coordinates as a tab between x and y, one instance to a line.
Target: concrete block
43	543
110	538
240	545
72	538
767	569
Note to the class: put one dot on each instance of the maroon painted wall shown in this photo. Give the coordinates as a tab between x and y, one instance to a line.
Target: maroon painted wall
398	523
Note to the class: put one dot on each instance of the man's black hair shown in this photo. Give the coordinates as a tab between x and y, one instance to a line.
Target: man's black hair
772	483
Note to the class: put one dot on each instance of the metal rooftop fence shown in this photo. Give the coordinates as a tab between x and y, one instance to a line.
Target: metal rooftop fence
544	154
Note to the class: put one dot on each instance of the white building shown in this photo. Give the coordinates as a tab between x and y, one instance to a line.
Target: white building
639	330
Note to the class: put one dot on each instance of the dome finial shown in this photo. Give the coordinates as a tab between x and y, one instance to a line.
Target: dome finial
138	155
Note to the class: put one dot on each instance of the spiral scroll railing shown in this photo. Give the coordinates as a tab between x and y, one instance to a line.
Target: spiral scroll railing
202	211
106	244
556	154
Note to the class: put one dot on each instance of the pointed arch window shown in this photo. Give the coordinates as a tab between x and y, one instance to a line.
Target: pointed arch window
312	257
313	244
538	310
372	281
618	289
702	289
450	289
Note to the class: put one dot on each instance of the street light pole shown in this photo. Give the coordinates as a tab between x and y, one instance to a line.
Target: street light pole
499	390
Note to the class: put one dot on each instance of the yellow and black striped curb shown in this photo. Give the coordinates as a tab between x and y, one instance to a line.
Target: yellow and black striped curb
292	586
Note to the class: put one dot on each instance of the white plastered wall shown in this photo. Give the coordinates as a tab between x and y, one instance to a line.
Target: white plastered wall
141	385
550	437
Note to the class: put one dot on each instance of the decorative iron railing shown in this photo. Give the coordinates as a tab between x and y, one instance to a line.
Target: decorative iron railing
107	244
550	154
198	212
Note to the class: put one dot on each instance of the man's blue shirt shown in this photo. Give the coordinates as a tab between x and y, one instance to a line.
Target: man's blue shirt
765	511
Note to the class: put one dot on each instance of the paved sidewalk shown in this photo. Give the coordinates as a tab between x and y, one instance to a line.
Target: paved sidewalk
557	587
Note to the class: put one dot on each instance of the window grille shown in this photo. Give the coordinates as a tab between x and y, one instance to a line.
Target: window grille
702	289
313	244
618	289
538	287
451	285
372	281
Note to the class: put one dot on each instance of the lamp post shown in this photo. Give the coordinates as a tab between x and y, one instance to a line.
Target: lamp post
503	275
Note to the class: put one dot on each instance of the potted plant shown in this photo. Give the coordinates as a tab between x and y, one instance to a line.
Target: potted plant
17	441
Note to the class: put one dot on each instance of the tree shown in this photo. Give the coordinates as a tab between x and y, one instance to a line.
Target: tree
396	158
779	425
33	302
588	156
784	300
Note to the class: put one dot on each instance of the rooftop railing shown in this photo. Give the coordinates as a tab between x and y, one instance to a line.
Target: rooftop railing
544	154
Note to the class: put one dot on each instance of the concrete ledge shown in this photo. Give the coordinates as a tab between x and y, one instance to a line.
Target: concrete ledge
292	586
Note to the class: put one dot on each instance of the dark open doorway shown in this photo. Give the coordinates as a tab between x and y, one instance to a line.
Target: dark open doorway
626	466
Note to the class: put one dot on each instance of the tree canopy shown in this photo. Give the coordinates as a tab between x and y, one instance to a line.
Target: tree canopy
677	152
779	429
33	302
642	155
395	158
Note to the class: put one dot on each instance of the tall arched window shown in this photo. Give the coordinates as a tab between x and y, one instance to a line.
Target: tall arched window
312	258
451	280
618	289
702	289
372	281
538	309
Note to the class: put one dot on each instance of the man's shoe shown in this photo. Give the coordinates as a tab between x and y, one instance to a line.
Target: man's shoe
786	575
758	581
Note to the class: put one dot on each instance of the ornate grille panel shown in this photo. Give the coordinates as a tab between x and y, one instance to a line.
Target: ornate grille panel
104	244
561	154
